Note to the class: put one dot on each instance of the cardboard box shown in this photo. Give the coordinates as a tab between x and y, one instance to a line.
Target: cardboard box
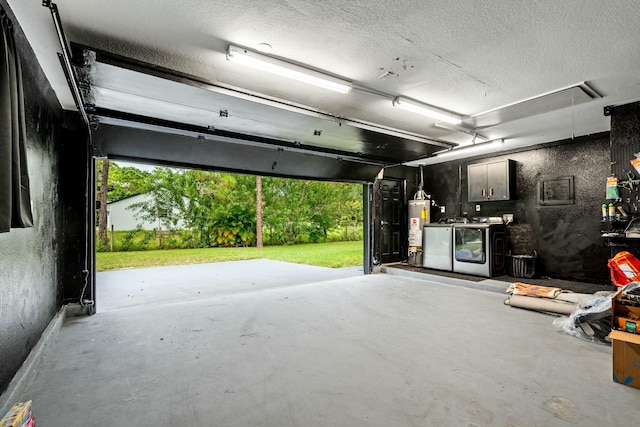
626	358
626	309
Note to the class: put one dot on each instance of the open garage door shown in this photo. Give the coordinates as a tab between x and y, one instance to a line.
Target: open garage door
141	112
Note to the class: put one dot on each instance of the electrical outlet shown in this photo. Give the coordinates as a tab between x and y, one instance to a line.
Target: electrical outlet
442	209
477	208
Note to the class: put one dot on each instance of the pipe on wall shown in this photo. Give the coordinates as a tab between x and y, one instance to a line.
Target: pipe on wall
367	203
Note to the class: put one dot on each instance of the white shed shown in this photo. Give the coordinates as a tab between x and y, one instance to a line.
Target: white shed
123	217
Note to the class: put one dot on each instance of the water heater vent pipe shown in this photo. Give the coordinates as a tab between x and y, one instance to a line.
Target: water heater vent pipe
421	195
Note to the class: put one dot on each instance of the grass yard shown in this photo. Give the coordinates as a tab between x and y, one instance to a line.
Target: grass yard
143	240
336	255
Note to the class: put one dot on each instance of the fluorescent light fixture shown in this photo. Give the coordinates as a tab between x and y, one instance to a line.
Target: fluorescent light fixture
426	110
469	148
286	69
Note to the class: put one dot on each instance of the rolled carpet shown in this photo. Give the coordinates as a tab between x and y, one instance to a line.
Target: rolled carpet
541	304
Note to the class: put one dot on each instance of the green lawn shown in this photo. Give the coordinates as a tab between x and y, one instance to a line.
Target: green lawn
338	254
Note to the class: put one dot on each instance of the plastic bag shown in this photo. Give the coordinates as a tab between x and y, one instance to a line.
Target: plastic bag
631	291
612	188
591	320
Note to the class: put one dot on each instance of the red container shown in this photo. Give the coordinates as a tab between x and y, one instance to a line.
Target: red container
624	268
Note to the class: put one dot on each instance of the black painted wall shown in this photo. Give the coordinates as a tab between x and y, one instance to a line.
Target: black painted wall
29	291
566	237
33	264
625	141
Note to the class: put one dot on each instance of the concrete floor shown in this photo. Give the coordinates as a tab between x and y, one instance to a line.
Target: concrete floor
244	344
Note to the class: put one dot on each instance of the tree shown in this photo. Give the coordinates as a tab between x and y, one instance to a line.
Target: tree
102	215
166	202
286	208
126	181
208	194
229	217
114	183
325	203
217	207
259	211
302	210
223	209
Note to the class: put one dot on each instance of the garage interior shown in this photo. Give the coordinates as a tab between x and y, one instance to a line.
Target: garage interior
549	87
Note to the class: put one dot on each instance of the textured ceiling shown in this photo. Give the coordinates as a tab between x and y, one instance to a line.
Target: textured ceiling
467	57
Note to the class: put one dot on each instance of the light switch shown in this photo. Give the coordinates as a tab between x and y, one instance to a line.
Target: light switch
477	208
442	209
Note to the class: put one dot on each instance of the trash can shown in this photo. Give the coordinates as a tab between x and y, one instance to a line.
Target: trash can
523	265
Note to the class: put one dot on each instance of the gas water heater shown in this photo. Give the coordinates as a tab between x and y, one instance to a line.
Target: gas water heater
418	217
419	209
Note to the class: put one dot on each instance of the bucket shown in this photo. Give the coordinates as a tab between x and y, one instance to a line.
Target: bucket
523	265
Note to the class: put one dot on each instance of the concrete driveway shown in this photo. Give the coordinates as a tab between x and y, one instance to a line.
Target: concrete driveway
121	289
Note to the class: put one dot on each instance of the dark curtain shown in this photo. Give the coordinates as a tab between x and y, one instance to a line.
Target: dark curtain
15	201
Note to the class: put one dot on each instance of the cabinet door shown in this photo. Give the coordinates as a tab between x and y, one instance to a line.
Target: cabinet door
498	181
477	182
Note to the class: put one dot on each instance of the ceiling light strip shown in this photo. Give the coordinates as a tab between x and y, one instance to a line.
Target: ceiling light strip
426	110
285	69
